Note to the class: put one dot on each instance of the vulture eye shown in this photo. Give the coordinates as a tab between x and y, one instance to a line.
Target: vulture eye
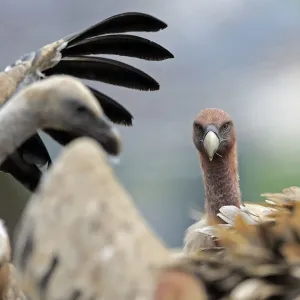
82	110
198	127
78	107
225	126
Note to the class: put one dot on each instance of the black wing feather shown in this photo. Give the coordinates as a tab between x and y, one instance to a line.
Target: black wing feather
120	44
35	152
106	70
28	175
117	113
125	22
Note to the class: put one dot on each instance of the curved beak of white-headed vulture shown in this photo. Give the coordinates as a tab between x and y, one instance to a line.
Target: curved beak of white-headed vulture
104	133
211	141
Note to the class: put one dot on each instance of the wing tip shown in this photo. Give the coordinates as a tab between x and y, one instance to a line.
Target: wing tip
159	24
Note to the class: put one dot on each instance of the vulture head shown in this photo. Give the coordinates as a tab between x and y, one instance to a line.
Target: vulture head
213	133
64	103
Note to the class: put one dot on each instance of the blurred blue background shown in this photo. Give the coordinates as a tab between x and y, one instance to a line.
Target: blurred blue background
239	55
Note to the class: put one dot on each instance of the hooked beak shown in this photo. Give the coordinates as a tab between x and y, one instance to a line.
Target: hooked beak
108	137
98	128
211	143
103	132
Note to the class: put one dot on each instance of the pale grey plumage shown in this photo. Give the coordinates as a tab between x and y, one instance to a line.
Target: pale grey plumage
82	235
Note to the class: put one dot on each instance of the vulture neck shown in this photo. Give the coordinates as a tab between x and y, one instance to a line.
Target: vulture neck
221	182
18	122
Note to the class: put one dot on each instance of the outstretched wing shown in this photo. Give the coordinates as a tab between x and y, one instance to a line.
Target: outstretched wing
75	55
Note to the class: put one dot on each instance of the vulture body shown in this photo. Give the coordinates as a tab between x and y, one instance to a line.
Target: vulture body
75	55
80	234
254	261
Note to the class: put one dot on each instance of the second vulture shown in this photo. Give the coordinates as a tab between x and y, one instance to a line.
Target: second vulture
73	55
215	139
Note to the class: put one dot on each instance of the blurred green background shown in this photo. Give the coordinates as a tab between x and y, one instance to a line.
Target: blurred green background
239	55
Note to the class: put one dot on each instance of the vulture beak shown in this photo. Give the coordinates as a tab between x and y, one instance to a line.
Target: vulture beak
211	141
103	132
108	136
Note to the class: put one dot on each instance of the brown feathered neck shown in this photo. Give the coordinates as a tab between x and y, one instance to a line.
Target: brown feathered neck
221	181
